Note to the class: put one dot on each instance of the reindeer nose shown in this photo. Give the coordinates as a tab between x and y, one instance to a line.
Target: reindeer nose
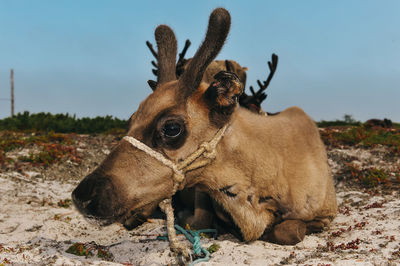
95	196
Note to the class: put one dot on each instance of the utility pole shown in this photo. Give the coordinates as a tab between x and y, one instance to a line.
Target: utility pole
12	91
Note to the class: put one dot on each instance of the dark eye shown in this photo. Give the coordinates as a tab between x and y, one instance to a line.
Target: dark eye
171	129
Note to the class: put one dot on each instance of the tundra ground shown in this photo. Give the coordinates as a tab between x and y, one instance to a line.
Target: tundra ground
39	225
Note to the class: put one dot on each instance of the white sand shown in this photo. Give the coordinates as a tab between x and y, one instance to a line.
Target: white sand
35	231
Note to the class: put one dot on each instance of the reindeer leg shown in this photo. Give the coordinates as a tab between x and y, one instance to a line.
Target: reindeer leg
184	205
289	232
317	225
203	211
196	209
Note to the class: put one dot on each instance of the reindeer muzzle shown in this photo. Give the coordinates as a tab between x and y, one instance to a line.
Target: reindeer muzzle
96	198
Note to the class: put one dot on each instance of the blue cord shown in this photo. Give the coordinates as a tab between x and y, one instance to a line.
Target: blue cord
194	238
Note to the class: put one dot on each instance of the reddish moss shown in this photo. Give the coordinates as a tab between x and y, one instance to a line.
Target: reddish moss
375	205
330	246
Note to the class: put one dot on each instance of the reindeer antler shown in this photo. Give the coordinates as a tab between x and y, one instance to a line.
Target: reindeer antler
167	49
254	101
179	65
217	31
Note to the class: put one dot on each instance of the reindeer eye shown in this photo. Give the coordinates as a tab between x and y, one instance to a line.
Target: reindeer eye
171	129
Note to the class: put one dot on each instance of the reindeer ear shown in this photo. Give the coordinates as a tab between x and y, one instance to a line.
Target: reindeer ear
167	49
218	28
224	92
232	66
222	97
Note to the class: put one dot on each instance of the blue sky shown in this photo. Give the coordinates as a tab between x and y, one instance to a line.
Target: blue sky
89	57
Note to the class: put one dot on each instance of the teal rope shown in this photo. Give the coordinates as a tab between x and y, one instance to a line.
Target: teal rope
194	238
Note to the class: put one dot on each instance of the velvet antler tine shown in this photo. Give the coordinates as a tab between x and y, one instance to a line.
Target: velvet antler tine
272	65
183	53
153	52
152	84
182	61
252	90
218	28
261	85
275	60
259	96
167	49
272	68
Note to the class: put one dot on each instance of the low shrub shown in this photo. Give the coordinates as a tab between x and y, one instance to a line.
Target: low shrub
63	123
363	136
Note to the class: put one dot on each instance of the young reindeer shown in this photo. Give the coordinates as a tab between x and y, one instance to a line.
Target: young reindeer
192	206
268	175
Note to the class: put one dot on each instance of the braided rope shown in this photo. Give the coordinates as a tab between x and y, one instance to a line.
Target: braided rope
156	155
176	246
208	151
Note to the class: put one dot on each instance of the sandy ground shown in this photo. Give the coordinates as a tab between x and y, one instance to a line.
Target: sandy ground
37	226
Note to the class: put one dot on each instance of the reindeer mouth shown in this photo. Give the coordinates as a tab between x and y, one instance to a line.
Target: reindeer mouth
103	220
138	216
129	221
133	220
99	221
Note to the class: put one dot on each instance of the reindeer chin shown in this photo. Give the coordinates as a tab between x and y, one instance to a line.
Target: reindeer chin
129	222
133	221
138	216
99	222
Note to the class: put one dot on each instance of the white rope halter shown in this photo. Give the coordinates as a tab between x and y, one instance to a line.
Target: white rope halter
207	150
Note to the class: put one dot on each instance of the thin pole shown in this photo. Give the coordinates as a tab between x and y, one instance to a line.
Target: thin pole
12	91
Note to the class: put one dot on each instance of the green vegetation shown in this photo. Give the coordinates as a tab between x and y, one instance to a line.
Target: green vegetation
80	249
363	136
51	147
373	176
348	120
51	153
351	132
370	177
104	254
213	248
64	203
63	123
53	136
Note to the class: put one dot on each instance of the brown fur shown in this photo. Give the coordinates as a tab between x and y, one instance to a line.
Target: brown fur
221	65
288	163
270	174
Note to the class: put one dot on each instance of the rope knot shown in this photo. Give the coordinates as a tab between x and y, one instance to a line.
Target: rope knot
210	152
179	176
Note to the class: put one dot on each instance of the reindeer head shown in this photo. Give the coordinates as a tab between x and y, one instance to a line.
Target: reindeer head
173	121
